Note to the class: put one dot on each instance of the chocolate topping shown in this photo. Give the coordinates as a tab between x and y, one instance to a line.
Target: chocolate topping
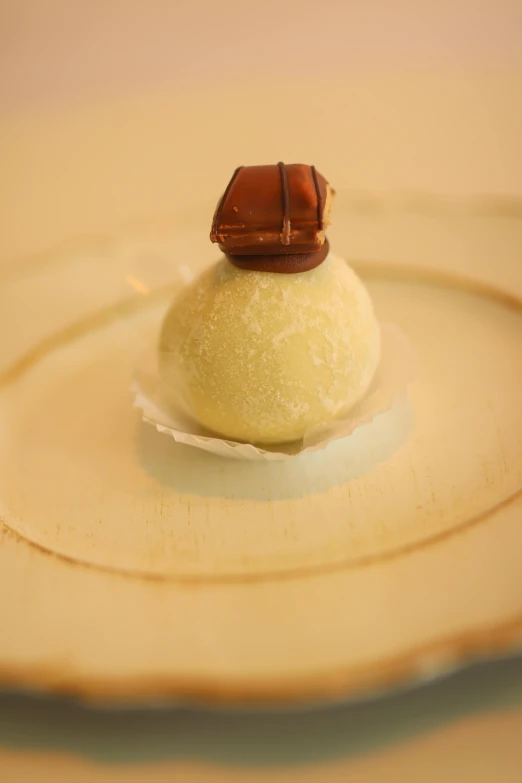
286	263
285	236
272	210
320	203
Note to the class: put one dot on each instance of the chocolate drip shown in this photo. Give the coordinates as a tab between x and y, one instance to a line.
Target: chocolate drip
285	236
320	205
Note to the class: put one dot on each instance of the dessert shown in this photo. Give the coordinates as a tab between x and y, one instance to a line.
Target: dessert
279	335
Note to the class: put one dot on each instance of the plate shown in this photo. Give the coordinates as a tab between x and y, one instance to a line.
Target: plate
133	568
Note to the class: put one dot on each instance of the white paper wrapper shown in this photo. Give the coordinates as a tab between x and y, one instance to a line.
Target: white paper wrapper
394	374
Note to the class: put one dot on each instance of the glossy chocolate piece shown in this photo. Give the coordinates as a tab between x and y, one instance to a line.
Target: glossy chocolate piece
272	210
285	263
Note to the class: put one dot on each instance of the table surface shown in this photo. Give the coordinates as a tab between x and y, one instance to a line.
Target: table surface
89	143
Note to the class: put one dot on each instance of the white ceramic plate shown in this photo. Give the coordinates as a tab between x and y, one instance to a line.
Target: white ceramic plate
134	568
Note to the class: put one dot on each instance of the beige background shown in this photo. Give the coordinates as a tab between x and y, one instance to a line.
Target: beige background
66	50
113	112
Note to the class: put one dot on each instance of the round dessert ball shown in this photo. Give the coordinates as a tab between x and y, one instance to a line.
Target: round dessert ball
261	357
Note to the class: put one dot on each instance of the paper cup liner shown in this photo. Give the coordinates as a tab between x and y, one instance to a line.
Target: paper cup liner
394	374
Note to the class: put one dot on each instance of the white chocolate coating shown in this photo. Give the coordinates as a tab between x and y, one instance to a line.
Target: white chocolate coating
262	357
